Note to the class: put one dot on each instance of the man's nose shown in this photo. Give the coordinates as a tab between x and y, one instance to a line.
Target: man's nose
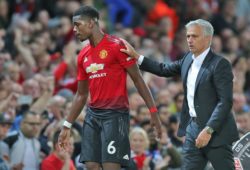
74	29
190	42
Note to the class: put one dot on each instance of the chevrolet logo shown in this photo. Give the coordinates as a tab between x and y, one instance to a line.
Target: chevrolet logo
93	68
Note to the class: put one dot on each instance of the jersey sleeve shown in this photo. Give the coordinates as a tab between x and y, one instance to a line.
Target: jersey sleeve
81	74
123	59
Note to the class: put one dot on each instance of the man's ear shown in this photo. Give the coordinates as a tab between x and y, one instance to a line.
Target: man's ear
91	23
209	39
56	146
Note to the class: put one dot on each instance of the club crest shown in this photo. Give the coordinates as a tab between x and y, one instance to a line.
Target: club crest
103	54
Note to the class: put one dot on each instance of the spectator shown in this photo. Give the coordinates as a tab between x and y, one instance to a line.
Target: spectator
142	113
139	144
243	122
59	159
178	101
5	124
120	8
24	146
164	114
32	88
135	101
154	151
172	132
217	44
160	10
171	157
4	18
225	19
239	103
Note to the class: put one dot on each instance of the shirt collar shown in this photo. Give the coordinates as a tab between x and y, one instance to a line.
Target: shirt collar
200	58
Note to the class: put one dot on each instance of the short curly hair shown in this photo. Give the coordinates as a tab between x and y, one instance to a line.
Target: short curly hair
88	11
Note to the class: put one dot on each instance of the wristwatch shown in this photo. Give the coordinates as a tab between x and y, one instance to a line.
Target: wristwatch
209	130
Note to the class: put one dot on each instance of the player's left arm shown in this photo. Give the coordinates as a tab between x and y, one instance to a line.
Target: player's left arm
143	90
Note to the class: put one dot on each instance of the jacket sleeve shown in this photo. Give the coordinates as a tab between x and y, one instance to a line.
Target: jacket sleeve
223	82
161	69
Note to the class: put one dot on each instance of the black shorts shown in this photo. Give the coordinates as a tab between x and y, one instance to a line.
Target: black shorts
106	140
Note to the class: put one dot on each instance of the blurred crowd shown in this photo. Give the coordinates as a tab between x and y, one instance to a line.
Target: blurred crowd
38	53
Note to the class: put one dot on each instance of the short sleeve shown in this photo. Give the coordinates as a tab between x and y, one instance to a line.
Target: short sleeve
123	59
81	74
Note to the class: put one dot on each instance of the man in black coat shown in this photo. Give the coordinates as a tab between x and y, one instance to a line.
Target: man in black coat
206	120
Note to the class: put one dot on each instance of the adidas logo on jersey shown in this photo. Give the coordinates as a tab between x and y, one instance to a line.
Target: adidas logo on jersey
126	157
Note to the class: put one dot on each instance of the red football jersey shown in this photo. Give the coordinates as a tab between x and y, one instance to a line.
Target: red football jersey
104	66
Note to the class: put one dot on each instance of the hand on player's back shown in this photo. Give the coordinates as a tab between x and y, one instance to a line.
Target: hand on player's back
129	50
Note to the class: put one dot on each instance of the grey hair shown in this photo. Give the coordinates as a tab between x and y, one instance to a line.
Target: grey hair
207	26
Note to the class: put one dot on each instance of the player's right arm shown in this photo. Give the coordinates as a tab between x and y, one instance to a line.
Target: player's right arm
76	108
78	101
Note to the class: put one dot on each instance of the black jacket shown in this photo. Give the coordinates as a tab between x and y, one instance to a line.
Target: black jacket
213	96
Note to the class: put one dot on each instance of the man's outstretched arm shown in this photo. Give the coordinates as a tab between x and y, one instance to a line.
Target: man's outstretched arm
154	67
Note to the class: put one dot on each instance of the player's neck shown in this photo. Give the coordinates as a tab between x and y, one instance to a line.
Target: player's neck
96	38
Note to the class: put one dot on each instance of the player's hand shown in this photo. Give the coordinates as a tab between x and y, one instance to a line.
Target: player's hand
64	138
129	50
202	139
156	125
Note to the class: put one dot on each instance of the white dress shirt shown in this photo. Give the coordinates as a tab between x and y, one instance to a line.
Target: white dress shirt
191	79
